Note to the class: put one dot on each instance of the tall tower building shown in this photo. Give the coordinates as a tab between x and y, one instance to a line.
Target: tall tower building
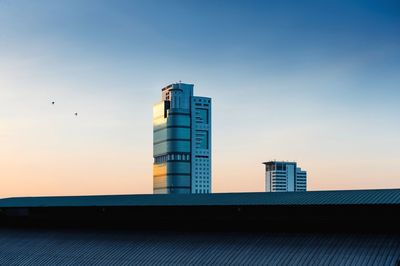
284	177
181	142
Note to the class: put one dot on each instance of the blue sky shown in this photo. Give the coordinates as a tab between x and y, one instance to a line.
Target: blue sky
311	81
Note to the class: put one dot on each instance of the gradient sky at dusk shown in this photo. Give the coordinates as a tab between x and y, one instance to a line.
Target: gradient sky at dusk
317	82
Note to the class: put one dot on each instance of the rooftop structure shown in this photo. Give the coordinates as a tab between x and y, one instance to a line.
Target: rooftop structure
334	197
47	246
358	227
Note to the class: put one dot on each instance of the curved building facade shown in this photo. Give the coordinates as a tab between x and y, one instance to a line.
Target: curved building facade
181	142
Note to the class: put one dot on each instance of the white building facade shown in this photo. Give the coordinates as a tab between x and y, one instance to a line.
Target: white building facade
284	177
181	142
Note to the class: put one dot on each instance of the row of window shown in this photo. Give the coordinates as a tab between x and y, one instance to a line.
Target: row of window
204	165
204	104
202	100
201	185
201	174
202	159
203	181
173	156
284	180
202	191
202	153
276	167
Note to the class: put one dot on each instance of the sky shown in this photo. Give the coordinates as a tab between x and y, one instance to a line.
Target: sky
316	82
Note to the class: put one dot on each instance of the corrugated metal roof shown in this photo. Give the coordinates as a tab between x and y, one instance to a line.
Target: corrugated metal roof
343	197
95	247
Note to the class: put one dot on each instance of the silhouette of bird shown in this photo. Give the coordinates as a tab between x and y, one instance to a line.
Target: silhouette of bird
76	114
53	102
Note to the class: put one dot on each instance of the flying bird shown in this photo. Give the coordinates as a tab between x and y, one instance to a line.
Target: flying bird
53	102
76	114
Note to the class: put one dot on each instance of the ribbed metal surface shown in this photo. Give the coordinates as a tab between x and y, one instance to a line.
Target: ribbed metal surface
386	196
46	247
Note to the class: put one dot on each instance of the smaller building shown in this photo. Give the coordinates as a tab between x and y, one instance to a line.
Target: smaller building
284	177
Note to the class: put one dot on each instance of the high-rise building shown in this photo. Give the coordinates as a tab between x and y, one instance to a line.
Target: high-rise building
181	142
284	177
